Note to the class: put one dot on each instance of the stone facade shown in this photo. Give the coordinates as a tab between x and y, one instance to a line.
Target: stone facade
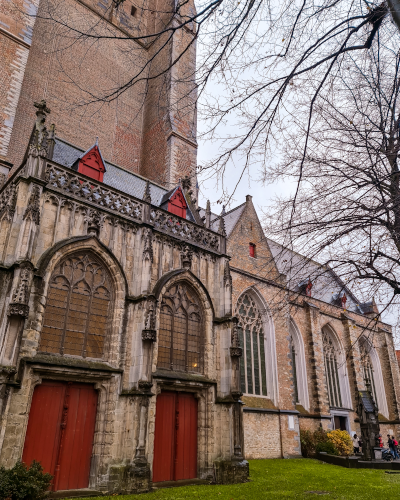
268	433
50	213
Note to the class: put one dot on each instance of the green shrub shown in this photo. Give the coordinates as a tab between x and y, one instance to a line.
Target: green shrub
327	447
309	441
21	483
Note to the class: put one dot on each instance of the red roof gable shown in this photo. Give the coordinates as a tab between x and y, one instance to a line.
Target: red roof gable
92	164
177	204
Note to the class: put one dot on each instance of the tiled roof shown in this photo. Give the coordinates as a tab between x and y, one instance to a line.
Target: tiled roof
66	154
230	218
327	286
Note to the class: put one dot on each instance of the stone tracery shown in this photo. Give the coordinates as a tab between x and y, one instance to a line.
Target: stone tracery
251	335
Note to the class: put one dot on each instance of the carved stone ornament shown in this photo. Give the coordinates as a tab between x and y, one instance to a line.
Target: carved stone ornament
148	244
186	257
147	194
32	211
236	395
149	331
227	275
95	221
235	349
8	200
21	310
19	305
145	385
70	182
221	227
189	231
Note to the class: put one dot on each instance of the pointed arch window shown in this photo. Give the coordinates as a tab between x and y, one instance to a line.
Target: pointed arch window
294	356
78	310
180	345
331	371
251	333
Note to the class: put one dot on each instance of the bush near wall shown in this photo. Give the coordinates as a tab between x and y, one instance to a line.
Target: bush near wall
320	440
23	483
341	441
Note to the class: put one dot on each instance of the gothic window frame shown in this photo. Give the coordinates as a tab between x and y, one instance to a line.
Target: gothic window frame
268	345
336	376
191	309
92	264
299	368
366	347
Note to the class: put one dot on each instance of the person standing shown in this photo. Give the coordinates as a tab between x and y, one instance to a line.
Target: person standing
395	445
356	444
390	445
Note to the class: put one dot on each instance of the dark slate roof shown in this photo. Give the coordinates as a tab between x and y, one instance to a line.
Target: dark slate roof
367	401
327	286
230	218
116	177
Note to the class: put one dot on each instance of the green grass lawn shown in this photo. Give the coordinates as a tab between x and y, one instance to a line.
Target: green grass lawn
281	479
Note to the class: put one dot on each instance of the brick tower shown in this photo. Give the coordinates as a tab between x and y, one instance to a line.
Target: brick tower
149	128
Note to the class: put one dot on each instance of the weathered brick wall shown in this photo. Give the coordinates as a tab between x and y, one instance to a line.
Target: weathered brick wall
17	20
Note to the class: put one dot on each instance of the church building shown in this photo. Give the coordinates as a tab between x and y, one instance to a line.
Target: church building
145	340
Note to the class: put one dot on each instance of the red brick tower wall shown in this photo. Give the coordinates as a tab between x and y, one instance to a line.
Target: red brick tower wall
170	111
147	128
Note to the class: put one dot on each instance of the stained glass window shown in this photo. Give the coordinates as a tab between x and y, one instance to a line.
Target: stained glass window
180	345
251	333
331	371
294	369
76	319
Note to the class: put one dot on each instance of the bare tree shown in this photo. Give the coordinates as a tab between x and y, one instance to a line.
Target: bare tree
255	51
346	211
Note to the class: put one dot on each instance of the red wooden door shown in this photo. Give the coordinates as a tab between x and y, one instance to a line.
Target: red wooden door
175	439
60	432
186	440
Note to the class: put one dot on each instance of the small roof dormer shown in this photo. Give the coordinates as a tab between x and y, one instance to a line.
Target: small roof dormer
175	202
91	163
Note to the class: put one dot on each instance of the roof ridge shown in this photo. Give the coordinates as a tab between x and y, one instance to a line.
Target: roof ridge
114	164
230	211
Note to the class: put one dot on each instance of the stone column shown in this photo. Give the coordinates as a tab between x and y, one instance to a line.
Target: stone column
352	346
147	259
319	388
149	336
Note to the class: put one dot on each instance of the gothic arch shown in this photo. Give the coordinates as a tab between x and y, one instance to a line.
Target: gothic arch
206	313
89	246
368	349
341	376
300	365
269	342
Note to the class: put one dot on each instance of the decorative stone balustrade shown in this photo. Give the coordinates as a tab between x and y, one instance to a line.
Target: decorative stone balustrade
188	231
69	182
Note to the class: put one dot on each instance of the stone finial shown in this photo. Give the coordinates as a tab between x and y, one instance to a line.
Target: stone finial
221	227
186	256
51	140
208	214
32	211
40	126
186	183
148	244
147	194
235	349
95	221
227	275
